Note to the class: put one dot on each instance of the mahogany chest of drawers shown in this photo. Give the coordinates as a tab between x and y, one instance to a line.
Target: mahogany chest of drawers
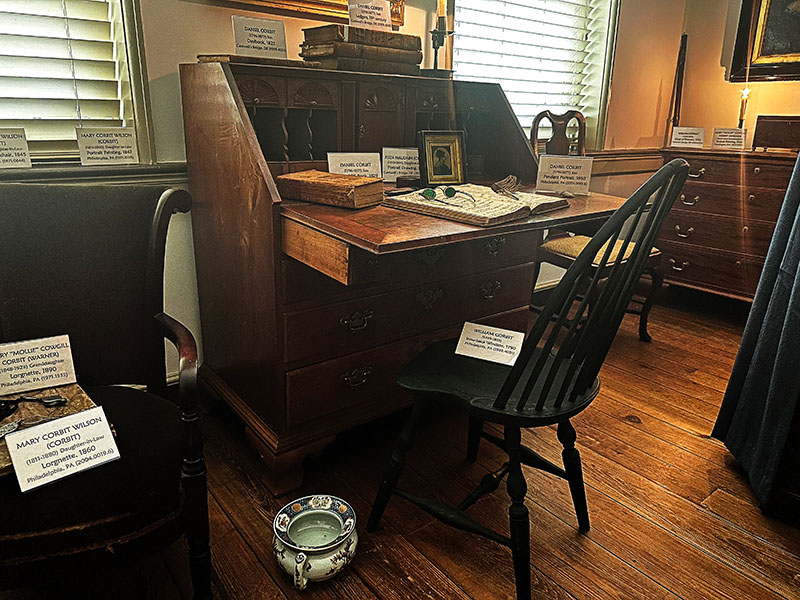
718	232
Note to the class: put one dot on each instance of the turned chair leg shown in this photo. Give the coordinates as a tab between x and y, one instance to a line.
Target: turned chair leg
572	465
396	464
474	438
519	523
197	528
656	282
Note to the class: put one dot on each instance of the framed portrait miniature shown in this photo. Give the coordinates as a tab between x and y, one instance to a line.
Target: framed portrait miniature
441	157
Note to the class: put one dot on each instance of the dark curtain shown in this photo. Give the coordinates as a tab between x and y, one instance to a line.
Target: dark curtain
763	389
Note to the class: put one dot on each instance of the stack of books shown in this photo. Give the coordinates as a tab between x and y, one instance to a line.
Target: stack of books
346	48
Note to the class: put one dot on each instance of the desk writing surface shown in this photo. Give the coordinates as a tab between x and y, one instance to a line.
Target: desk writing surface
381	229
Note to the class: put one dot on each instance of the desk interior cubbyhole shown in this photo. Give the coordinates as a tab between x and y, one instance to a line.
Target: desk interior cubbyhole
268	125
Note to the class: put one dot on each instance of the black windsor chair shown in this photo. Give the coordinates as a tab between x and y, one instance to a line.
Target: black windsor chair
554	377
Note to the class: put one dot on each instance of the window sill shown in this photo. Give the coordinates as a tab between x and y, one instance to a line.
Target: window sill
70	171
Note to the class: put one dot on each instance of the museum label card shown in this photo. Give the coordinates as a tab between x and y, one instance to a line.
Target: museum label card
363	164
107	146
370	14
490	343
60	448
564	174
688	137
400	162
259	37
35	364
728	138
14	152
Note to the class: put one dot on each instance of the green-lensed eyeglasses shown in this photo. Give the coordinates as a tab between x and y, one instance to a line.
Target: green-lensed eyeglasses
449	192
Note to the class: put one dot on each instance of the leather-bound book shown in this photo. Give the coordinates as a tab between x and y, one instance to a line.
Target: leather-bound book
320	187
359	35
362	65
348	50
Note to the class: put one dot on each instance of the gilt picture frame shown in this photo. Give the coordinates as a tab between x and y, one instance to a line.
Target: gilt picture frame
767	44
441	158
335	10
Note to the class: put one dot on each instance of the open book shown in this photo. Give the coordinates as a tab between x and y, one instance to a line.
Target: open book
476	204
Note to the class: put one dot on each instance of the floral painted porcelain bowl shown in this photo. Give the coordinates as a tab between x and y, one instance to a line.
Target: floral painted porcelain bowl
315	537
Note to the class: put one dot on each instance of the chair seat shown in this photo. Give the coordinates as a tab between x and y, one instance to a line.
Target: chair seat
571	246
107	502
439	370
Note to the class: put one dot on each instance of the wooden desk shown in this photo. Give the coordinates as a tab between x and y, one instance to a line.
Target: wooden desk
302	352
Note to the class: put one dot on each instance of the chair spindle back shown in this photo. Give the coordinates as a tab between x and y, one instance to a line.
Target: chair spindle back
572	344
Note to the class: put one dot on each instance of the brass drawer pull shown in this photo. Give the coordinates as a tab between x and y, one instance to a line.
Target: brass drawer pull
357	321
430	257
689	232
356	377
745	229
757	170
694	201
674	264
700	173
427	298
751	198
493	245
489	289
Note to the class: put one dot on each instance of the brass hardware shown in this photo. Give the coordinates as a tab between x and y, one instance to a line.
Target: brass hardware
689	232
745	229
738	263
313	103
699	173
256	100
751	198
362	131
694	201
356	377
489	289
674	264
357	321
430	257
493	245
429	297
757	170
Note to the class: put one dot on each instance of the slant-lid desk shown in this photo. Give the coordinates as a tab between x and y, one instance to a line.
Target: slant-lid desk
309	311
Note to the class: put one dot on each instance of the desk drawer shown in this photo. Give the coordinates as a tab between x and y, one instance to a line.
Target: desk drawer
747	172
761	204
302	284
337	329
717	270
713	231
358	379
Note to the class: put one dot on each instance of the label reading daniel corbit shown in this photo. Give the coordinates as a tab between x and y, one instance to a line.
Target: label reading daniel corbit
370	14
362	164
107	146
259	37
14	152
60	448
35	364
490	343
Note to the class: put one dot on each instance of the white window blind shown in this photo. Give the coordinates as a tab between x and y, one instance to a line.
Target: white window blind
62	65
546	54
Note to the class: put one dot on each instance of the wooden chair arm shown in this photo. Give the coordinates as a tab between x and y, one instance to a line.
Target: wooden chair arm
183	340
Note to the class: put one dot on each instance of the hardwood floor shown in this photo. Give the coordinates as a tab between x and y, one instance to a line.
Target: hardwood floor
672	515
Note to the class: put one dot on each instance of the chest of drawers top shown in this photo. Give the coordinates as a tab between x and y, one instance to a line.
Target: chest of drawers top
745	168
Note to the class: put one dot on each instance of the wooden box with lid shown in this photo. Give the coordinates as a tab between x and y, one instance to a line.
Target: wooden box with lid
717	235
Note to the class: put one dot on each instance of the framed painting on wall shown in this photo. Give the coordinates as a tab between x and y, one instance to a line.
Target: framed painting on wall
767	41
333	9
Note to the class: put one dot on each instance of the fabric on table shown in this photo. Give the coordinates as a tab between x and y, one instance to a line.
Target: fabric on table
763	389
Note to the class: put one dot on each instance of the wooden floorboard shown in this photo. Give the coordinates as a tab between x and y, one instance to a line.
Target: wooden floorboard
673	516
